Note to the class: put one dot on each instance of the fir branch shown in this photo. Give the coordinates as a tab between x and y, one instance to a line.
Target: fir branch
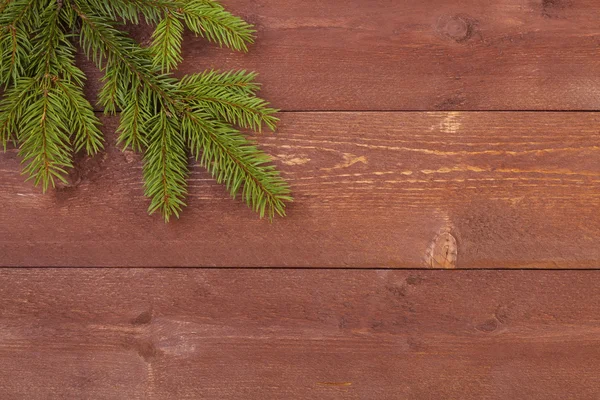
164	173
102	42
240	82
15	49
230	97
44	144
130	10
245	111
166	45
210	20
83	122
13	107
165	169
112	94
45	111
20	12
237	162
16	19
131	130
68	80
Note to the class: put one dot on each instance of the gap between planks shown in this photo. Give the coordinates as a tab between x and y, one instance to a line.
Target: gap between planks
399	269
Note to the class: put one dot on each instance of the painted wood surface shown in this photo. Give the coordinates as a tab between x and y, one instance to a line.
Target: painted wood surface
406	144
402	190
416	55
298	334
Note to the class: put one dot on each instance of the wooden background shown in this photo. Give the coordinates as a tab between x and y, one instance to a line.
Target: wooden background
444	242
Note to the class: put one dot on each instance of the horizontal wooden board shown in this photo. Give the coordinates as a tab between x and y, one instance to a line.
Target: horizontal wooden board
289	334
416	55
416	190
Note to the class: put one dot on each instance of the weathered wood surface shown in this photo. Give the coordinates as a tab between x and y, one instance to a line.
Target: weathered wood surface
308	334
417	55
418	190
379	189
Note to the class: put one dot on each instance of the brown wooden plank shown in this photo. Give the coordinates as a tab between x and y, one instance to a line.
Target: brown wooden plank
464	190
290	334
423	55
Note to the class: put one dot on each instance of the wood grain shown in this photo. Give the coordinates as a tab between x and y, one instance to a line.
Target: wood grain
416	55
445	190
402	190
309	334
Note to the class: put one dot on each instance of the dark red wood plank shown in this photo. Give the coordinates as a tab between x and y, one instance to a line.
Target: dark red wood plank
417	55
418	190
309	334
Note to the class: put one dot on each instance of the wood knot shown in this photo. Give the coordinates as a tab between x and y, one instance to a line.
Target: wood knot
443	251
488	326
554	8
458	28
142	319
84	169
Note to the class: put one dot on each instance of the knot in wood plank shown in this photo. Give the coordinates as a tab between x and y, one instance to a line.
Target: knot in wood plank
443	251
458	28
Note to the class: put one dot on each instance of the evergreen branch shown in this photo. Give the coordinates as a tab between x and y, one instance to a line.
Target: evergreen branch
15	48
61	72
83	122
210	20
45	111
20	12
114	88
206	18
245	111
235	82
134	116
4	4
130	10
16	19
48	41
13	106
166	45
44	144
165	168
165	161
230	97
101	42
237	162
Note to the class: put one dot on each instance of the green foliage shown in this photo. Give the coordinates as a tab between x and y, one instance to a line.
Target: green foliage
45	113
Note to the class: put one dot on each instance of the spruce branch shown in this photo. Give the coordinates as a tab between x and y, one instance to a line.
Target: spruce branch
17	17
45	112
44	142
240	82
210	20
132	129
234	160
130	10
84	123
16	100
166	45
165	169
14	51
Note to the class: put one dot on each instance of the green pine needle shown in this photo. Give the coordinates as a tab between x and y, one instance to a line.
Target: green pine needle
44	112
